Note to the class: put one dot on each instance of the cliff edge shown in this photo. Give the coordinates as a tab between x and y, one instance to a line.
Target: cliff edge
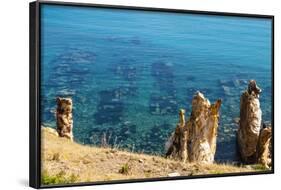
64	161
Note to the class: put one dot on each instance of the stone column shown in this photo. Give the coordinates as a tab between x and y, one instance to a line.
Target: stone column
64	118
263	151
250	123
195	140
177	148
202	129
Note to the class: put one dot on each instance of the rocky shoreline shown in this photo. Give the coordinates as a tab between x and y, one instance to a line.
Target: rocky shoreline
194	140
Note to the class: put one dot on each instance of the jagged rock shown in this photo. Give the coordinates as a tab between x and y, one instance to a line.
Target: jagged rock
253	89
64	117
202	129
250	122
177	146
195	140
263	150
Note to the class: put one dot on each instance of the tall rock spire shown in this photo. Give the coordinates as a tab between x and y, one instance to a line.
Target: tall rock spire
250	122
64	117
195	140
202	129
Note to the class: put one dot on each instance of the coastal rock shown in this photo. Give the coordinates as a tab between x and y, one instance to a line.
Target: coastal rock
263	148
195	140
177	146
64	118
250	122
202	129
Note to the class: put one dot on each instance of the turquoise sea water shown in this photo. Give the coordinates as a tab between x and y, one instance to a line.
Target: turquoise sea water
129	71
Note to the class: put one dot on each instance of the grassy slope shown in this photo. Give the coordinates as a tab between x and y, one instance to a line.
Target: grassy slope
65	161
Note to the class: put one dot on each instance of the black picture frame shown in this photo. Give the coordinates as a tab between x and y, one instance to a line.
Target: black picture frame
34	93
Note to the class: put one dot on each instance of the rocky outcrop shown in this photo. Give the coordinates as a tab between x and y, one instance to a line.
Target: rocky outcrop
177	146
64	118
195	140
263	147
250	122
202	129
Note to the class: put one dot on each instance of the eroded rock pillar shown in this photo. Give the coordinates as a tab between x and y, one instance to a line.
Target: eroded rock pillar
64	118
178	142
263	150
202	129
195	140
250	122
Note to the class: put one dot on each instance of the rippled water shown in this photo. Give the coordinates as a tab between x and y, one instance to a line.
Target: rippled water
129	72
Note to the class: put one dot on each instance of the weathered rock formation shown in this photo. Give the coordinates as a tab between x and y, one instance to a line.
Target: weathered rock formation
263	150
195	140
250	123
64	117
177	147
202	129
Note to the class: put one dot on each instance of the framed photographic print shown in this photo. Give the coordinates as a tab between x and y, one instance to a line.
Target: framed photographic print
132	94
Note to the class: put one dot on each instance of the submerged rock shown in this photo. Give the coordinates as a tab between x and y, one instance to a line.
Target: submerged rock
250	122
110	107
226	90
190	78
64	117
226	83
162	105
163	73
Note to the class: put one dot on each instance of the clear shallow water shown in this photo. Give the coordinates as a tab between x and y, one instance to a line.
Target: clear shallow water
129	72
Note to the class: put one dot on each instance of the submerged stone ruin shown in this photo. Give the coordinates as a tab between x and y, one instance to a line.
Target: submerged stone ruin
64	118
253	140
195	140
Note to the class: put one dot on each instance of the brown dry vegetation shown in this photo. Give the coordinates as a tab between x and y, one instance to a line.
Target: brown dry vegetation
64	161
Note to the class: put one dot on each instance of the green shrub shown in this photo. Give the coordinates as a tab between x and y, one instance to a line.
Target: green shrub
125	169
259	167
59	178
56	157
216	172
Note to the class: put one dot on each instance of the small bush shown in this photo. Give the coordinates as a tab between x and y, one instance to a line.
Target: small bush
56	157
59	178
259	167
216	172
125	169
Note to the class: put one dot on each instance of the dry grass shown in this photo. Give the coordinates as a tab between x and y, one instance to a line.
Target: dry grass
89	164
